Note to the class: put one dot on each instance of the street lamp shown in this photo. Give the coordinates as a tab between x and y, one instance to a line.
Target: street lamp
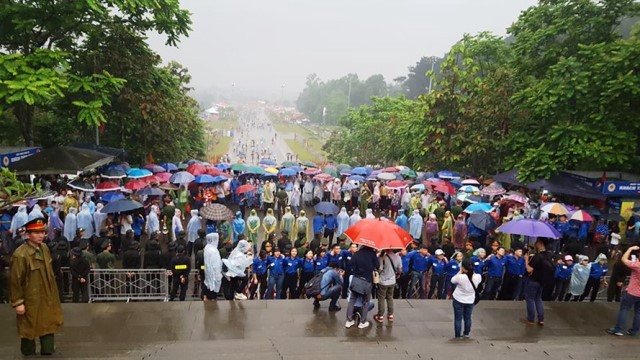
282	93
233	86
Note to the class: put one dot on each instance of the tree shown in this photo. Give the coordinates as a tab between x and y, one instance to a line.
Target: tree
576	95
416	82
37	42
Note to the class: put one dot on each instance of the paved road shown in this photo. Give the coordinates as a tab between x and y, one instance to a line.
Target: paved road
256	131
291	329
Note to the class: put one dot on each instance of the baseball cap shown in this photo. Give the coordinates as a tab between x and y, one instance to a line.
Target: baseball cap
439	252
568	258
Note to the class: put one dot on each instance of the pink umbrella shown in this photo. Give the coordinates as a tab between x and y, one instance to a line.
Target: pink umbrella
163	176
581	215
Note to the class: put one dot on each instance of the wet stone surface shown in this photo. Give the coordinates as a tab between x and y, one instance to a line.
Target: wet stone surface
264	330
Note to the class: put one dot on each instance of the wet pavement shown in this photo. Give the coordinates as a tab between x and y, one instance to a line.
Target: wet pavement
261	330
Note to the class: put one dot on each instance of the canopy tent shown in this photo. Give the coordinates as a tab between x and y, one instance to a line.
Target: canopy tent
115	152
61	160
560	183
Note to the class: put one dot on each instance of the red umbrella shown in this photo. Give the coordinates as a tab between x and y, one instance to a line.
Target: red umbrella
245	188
312	171
391	170
379	234
196	169
323	177
153	179
214	171
445	187
396	184
581	215
108	186
163	176
135	185
431	184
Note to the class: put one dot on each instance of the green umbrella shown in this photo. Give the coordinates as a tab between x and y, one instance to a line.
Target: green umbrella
255	170
183	166
239	167
342	167
331	171
287	164
309	164
408	173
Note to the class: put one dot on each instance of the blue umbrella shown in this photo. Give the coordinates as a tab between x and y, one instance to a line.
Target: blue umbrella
111	196
456	183
136	173
192	161
169	166
360	171
478	207
181	177
345	172
297	169
268	162
204	179
269	176
123	205
113	172
419	187
348	187
356	178
223	166
219	179
150	191
326	208
482	220
446	174
287	172
529	227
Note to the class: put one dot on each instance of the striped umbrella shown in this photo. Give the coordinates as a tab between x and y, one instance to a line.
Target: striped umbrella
555	208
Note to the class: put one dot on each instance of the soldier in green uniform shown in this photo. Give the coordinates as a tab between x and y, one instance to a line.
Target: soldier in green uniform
34	294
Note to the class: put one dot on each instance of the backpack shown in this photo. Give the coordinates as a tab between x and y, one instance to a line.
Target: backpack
312	287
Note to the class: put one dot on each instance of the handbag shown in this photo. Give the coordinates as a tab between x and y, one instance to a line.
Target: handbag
360	286
376	277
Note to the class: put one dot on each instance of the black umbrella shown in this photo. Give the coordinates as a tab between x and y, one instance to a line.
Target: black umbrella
81	185
482	220
592	210
326	208
120	206
613	217
61	160
150	191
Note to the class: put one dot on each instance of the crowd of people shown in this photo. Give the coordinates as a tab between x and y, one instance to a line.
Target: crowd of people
276	251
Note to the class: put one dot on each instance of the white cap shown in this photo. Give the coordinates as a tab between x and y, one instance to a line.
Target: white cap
439	252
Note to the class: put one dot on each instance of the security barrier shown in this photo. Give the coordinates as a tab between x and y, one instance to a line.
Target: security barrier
122	285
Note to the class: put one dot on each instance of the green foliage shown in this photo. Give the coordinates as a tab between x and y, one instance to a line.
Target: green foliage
38	42
562	94
13	190
334	95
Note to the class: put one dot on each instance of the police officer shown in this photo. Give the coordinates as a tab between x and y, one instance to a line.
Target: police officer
131	261
79	268
180	269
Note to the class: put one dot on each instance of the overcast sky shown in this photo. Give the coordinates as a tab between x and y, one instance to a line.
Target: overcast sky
261	44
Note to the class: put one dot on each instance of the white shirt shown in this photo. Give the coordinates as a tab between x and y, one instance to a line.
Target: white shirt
125	224
464	292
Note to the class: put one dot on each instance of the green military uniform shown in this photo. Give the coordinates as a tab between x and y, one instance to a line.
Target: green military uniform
33	285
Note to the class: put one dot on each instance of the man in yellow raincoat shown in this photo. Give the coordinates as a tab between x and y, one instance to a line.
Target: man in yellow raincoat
34	294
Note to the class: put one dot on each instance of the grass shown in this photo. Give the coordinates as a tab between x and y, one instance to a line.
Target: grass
299	149
221	124
291	128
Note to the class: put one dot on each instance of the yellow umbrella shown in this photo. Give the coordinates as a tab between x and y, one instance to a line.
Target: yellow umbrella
555	208
271	170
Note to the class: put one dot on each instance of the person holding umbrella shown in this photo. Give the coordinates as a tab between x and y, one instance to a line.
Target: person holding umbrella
541	269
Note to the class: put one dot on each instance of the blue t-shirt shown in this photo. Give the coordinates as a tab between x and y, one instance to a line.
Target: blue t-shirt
291	266
563	272
515	266
418	262
598	271
259	266
437	266
495	266
275	265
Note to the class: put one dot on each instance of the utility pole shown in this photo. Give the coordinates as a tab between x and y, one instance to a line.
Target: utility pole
233	87
433	63
282	94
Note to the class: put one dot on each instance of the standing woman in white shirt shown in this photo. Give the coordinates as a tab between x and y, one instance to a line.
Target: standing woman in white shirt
464	297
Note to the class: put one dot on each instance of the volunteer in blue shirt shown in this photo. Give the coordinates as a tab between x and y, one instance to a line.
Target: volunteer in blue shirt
515	269
405	276
596	276
318	226
437	265
330	227
321	260
259	274
331	287
452	269
335	255
291	265
418	265
562	278
275	264
495	269
347	264
308	269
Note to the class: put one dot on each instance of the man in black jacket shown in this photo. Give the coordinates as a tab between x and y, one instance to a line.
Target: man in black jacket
153	259
79	268
131	261
180	269
365	261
